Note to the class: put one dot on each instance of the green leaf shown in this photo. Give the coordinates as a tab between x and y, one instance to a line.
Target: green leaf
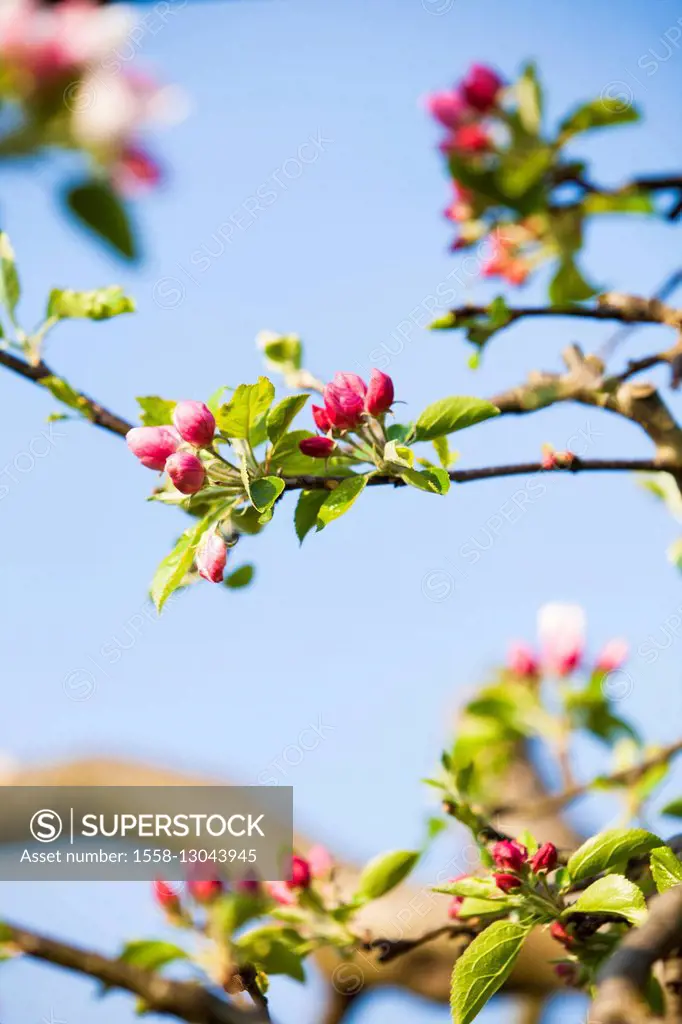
99	208
10	289
608	848
283	352
665	868
483	968
434	479
474	906
156	412
307	508
238	418
620	202
273	949
398	455
450	414
399	432
599	113
529	98
483	888
569	285
340	500
241	577
280	418
613	894
385	872
62	390
265	491
673	809
98	304
174	567
151	954
520	172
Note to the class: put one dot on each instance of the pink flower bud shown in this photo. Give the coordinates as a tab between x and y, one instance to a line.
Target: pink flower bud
281	893
205	890
480	87
344	400
300	873
320	861
166	897
454	907
350	382
152	445
545	859
613	656
211	557
567	972
195	423
449	108
558	932
249	885
321	419
380	393
521	661
469	138
317	447
509	853
561	630
186	471
506	882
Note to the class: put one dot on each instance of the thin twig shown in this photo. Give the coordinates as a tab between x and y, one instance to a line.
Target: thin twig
389	949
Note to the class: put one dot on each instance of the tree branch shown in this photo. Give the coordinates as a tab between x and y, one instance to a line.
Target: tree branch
557	801
183	999
96	413
623	979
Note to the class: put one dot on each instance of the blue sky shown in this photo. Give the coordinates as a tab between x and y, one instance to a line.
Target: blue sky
345	632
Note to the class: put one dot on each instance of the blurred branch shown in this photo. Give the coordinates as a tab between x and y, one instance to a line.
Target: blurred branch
625	777
623	980
186	1000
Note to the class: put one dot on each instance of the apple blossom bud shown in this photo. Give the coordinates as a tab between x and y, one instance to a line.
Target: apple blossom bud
567	972
612	656
481	87
152	445
205	890
380	393
350	382
300	873
195	423
454	907
509	853
317	447
211	557
166	897
521	661
507	883
320	861
449	108
469	138
321	419
344	400
281	893
186	471
559	932
545	859
561	630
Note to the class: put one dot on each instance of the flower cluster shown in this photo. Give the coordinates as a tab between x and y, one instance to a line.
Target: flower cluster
467	112
514	868
175	449
349	403
562	640
58	63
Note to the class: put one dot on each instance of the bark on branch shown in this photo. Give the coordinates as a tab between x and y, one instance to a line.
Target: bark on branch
185	1000
623	980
